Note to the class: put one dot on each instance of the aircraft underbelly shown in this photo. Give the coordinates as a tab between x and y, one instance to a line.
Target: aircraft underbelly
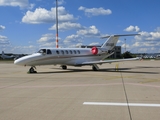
80	60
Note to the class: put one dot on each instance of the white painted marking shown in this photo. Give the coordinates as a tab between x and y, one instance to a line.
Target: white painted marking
122	104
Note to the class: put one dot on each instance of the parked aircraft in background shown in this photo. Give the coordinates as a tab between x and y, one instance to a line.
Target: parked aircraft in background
3	56
158	57
73	56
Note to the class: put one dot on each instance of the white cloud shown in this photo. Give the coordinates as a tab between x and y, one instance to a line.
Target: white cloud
31	6
95	11
147	42
78	45
81	35
157	29
73	38
2	27
146	47
47	38
92	31
22	49
15	3
66	26
3	40
42	15
148	36
132	29
143	50
94	43
127	46
60	2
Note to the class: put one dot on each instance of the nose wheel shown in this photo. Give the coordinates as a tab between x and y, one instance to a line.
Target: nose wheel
32	70
64	67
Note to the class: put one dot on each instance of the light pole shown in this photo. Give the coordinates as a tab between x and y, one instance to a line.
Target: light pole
57	24
125	44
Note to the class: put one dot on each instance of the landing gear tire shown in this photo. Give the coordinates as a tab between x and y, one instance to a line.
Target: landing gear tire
94	68
64	67
31	70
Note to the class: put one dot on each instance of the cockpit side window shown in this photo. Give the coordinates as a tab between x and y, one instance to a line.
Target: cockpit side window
49	51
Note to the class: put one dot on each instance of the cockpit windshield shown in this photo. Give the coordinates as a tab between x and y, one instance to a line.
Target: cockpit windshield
43	51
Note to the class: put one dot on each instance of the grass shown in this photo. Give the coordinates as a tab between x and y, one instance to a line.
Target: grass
6	61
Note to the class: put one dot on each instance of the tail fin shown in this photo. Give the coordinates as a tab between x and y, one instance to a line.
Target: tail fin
2	52
112	40
110	43
2	55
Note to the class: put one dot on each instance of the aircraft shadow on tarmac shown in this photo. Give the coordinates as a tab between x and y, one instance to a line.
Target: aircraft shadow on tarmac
122	70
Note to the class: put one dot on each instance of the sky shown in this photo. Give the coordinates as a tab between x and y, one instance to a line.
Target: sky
28	25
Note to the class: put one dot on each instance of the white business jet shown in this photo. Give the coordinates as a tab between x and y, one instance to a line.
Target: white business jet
73	56
3	56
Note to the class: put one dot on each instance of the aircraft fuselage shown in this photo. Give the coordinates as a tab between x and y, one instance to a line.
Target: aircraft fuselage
62	56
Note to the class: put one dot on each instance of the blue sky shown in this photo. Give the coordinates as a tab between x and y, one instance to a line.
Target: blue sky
27	25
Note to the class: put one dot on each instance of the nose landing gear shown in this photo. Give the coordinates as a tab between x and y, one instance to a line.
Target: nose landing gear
32	70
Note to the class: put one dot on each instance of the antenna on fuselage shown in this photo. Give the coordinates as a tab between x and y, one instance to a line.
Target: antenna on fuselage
56	23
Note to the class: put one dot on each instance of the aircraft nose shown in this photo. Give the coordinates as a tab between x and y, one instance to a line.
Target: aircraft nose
18	62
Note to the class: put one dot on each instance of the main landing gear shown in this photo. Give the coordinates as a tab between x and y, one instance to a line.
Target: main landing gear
32	70
95	67
64	67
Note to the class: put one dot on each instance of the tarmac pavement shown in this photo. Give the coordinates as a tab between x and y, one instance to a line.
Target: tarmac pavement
132	92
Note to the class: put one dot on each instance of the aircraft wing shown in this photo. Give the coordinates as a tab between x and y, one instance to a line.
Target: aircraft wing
109	61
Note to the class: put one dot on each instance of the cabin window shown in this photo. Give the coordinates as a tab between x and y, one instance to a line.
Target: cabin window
78	52
57	51
74	52
49	51
62	51
66	52
70	51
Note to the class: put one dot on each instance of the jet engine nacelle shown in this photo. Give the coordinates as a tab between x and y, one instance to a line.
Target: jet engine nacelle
96	51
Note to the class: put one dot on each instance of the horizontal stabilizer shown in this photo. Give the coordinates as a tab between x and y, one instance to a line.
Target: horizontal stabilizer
119	35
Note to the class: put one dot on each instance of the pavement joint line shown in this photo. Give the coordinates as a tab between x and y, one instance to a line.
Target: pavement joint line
124	87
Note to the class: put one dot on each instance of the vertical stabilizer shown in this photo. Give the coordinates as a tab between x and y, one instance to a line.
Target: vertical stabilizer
110	42
2	53
2	56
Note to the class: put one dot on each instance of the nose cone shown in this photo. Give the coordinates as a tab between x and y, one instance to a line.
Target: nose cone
15	62
27	60
18	62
